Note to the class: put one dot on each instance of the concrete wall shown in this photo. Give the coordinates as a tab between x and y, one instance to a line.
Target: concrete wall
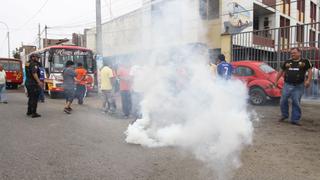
125	34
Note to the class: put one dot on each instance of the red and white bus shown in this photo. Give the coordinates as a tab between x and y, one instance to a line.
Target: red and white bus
14	71
53	59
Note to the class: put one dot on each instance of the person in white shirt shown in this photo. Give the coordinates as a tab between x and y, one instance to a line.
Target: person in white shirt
3	96
315	81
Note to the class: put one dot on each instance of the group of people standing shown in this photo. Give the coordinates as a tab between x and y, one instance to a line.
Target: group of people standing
121	79
74	84
118	79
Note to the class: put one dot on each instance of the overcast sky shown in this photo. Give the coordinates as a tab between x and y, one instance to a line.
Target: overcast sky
62	17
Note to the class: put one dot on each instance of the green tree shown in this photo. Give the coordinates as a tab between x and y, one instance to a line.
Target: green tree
16	54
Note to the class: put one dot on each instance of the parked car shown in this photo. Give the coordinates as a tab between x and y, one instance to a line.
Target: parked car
260	79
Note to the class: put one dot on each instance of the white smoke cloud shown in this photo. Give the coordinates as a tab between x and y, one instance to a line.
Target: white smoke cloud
183	106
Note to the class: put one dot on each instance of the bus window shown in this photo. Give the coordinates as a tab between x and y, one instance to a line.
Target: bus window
42	58
85	60
79	59
46	60
14	66
58	63
4	65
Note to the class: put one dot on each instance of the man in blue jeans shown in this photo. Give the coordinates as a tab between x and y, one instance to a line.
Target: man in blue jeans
294	71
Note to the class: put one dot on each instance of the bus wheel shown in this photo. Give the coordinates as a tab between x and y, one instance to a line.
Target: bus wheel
52	95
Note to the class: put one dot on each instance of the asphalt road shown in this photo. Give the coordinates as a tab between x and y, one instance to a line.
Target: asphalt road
90	145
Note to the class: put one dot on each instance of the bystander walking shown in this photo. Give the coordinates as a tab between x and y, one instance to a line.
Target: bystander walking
3	96
69	85
81	89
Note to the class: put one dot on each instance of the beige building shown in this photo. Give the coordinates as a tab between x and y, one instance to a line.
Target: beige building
24	50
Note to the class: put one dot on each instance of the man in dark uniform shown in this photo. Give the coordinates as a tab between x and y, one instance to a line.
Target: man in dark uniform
294	71
33	85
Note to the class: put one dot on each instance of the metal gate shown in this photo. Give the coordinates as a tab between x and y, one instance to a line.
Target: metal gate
272	46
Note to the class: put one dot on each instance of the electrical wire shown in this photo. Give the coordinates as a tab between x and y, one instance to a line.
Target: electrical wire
35	15
142	9
86	23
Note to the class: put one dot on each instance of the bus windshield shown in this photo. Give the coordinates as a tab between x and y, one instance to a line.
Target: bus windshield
61	56
14	66
11	65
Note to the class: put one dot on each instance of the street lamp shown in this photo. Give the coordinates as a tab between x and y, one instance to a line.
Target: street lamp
7	36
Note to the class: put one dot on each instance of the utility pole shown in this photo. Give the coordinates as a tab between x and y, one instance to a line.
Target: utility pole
46	36
98	28
39	37
8	44
8	36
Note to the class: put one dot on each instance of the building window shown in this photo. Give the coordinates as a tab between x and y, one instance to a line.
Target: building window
300	33
285	32
256	23
301	10
313	13
318	40
209	9
286	6
312	38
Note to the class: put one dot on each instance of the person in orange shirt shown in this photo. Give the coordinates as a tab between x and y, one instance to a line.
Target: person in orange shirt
125	88
81	88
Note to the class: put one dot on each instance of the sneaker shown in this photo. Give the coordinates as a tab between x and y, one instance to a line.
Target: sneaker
282	119
5	102
70	109
35	115
296	123
66	110
28	113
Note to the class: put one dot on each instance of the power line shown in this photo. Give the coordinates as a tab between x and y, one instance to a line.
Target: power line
86	23
43	5
134	12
